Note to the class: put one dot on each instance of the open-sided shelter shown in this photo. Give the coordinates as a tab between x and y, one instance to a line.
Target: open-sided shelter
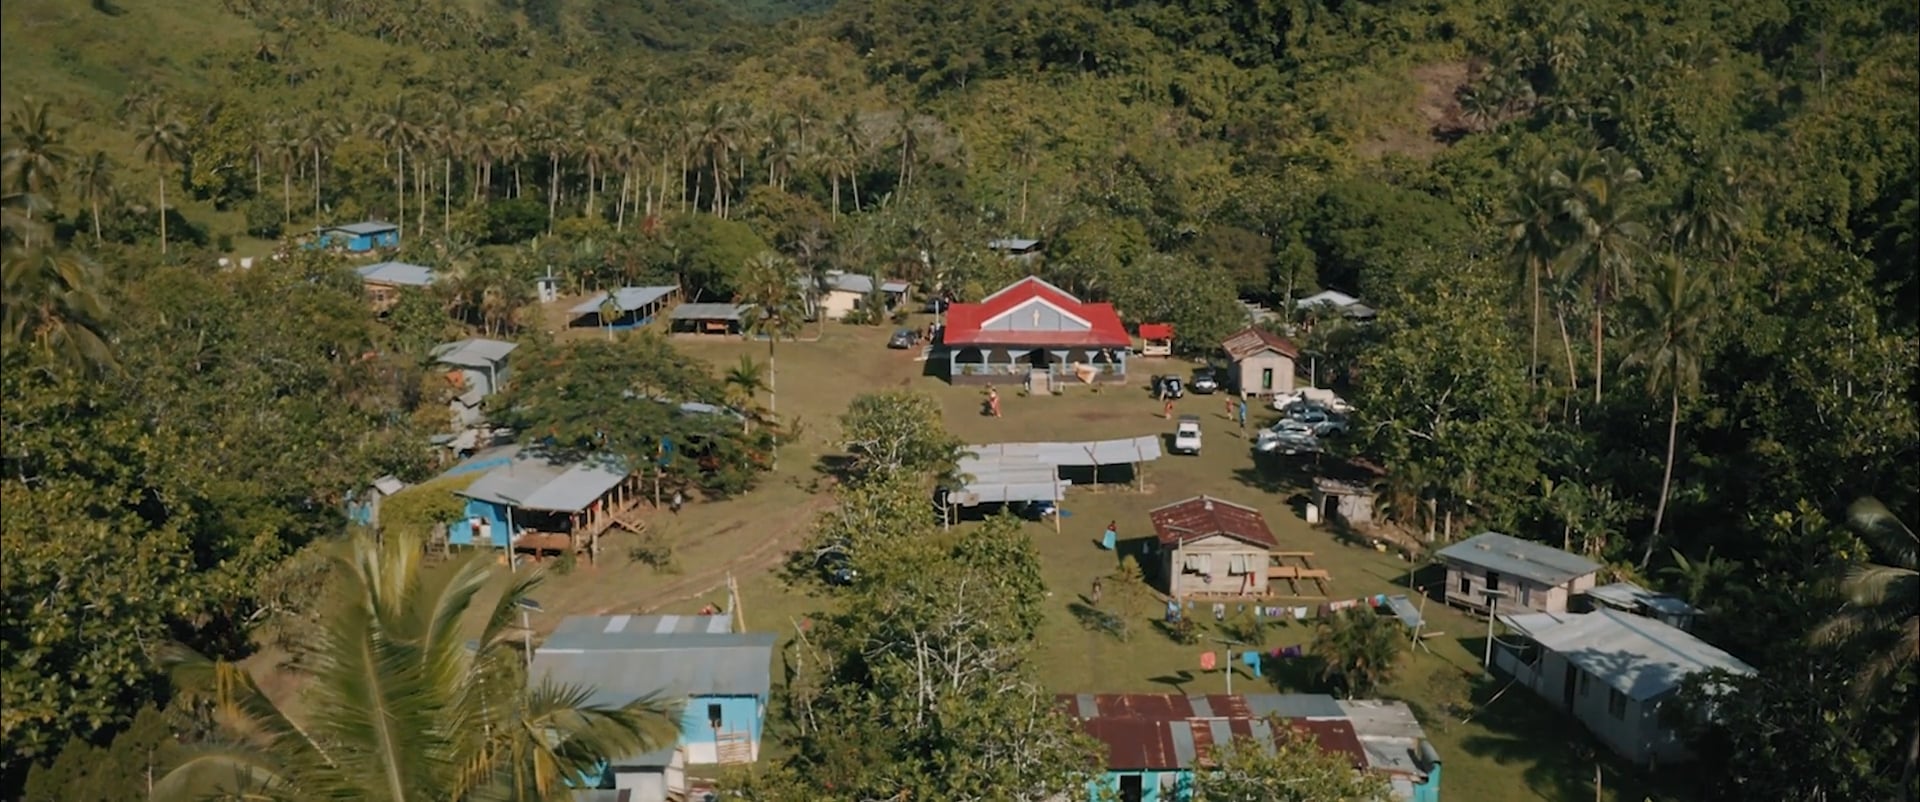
631	307
710	318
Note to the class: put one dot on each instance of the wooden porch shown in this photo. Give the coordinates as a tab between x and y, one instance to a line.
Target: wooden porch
619	507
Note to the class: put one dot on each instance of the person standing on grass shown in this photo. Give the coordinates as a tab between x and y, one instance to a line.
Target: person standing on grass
1167	411
1096	592
678	499
1242	414
1229	408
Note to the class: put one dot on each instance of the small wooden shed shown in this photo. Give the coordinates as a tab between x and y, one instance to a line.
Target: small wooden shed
1263	362
1350	499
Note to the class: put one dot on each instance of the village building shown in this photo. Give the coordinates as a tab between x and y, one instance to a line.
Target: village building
1155	743
528	502
722	679
1264	363
1612	671
476	368
1156	339
846	293
623	308
384	281
1036	333
1212	549
1529	575
359	237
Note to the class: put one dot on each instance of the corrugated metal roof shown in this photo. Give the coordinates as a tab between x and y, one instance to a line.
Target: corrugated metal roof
586	627
1510	556
626	666
1334	297
1012	244
368	227
396	273
895	285
656	759
474	352
1640	657
626	299
849	282
1029	471
1253	340
1389	735
1168	731
1629	596
534	483
1292	705
710	311
1156	331
1205	516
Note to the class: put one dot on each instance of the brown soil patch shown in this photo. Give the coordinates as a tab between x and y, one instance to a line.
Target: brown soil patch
1436	120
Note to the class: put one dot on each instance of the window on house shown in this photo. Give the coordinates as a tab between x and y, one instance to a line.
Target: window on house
1493	581
1131	789
1466	585
1199	564
1616	704
1266	378
1526	596
713	716
1237	565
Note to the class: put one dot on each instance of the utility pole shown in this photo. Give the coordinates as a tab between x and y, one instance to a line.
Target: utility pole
1229	643
526	630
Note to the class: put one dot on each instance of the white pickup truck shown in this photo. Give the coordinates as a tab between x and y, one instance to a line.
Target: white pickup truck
1186	436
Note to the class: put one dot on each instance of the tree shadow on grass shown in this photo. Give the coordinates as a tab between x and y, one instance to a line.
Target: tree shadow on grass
1275	473
1177	680
1094	619
838	467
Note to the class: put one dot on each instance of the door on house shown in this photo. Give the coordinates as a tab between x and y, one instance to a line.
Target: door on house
1131	789
1566	694
1266	378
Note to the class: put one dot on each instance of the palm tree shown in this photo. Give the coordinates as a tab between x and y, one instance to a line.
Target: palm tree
1357	649
401	707
394	127
771	283
852	139
50	302
1672	314
36	157
744	381
93	180
318	136
1883	609
1602	210
162	140
1531	223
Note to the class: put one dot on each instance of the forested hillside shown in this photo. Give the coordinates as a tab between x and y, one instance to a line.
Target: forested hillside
1645	271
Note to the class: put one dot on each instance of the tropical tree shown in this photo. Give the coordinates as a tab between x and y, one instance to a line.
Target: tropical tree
318	135
400	706
1358	650
771	284
899	433
1608	235
162	141
1672	313
93	181
1883	610
1295	769
51	302
35	158
1531	224
744	382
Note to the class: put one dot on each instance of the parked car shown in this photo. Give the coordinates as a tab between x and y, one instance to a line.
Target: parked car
835	564
1167	387
1205	381
1309	413
1186	435
1311	395
1287	437
903	339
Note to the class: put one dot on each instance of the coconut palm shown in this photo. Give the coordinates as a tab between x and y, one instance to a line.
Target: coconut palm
1671	314
51	303
771	283
318	136
1609	235
401	706
851	137
93	181
744	382
35	159
394	127
1883	609
162	142
1357	649
1531	223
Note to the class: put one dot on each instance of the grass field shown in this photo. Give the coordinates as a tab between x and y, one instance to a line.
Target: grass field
1511	749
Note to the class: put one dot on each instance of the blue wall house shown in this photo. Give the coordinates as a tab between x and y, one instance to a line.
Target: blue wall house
538	505
1154	741
360	237
722	678
476	367
385	281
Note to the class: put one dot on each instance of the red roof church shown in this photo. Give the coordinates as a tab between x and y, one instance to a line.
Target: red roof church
1033	326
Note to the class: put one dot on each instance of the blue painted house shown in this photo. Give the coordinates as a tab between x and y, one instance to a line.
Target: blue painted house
1155	741
360	237
532	503
722	678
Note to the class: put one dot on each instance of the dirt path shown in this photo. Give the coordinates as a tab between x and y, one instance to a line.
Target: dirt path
769	554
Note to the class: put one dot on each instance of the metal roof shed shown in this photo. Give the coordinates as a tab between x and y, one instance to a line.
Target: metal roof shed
634	306
1639	657
709	318
474	352
1511	556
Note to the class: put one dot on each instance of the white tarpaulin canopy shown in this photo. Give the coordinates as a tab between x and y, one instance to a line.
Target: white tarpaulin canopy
1003	472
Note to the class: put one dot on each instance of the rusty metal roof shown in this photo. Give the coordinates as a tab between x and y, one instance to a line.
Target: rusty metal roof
1253	340
1205	516
1167	731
